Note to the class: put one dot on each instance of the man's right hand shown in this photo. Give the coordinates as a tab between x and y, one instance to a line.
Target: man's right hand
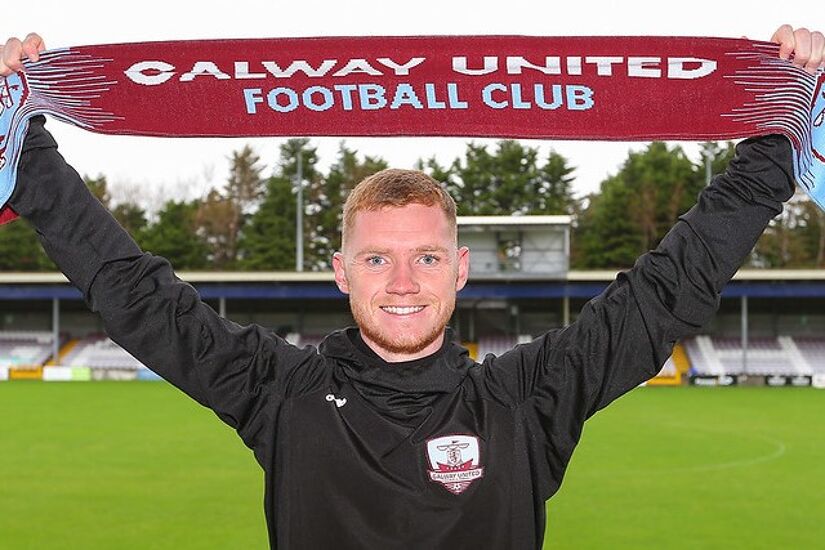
15	50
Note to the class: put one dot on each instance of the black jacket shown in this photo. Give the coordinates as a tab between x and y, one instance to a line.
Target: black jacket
437	453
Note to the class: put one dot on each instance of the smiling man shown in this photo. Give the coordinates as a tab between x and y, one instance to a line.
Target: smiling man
389	436
400	262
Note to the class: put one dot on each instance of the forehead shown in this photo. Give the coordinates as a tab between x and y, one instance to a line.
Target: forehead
404	225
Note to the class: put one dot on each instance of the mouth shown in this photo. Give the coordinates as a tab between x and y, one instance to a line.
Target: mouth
402	310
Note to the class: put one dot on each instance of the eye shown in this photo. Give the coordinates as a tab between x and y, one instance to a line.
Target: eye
429	259
374	261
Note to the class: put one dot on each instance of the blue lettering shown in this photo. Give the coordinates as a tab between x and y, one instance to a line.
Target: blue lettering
252	96
292	97
405	95
372	96
346	94
452	96
326	94
518	103
432	102
487	95
541	101
579	98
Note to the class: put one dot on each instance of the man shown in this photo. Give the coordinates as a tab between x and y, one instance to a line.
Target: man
389	436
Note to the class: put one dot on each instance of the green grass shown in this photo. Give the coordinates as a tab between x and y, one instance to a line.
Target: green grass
138	465
697	468
122	465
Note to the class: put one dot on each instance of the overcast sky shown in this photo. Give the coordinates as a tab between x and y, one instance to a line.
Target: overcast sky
164	167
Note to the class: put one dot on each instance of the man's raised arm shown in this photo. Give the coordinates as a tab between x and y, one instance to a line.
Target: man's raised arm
624	336
242	373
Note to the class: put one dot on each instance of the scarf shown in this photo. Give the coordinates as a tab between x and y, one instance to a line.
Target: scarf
572	88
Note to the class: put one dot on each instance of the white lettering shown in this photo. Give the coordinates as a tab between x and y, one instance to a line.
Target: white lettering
604	64
515	65
202	68
574	65
490	66
676	67
242	71
640	67
361	66
137	73
401	70
299	65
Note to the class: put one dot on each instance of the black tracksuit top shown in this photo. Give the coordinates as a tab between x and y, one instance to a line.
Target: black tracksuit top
438	453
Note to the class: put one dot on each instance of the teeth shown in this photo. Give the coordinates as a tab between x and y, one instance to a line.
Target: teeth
396	310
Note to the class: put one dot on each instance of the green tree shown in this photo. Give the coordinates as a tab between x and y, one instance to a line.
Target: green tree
268	241
222	214
794	239
812	233
637	206
99	187
132	218
555	192
175	237
20	249
218	221
508	181
605	235
326	202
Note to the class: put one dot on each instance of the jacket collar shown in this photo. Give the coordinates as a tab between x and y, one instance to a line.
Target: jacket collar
440	372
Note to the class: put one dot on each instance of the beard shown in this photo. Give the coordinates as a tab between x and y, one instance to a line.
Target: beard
405	343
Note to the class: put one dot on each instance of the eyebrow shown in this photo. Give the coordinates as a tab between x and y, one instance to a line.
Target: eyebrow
425	248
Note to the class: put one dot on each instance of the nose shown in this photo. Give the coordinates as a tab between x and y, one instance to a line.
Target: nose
402	280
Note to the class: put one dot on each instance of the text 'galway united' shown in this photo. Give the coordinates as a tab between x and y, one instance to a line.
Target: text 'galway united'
433	94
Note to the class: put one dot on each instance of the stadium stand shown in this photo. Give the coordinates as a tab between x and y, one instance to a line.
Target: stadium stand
780	356
100	353
25	348
813	350
499	344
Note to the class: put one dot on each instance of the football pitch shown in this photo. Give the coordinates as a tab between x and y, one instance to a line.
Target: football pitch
138	465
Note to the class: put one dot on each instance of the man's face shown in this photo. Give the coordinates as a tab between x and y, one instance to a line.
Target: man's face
401	269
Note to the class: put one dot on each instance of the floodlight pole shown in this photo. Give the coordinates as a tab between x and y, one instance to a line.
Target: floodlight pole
299	216
55	330
708	171
744	333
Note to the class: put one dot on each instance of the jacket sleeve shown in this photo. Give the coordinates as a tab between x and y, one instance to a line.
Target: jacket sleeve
623	336
242	373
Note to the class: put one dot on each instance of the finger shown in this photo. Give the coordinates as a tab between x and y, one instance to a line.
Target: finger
12	52
785	38
802	47
817	52
32	46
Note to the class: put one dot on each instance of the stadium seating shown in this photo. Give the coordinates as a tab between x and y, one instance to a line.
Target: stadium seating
100	353
495	345
669	368
781	356
98	358
25	348
813	351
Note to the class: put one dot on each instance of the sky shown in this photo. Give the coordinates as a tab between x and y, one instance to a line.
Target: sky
151	170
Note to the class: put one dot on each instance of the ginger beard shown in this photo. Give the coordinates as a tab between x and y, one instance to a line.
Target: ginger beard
397	342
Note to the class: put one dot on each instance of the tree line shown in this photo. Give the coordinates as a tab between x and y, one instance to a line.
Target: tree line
250	222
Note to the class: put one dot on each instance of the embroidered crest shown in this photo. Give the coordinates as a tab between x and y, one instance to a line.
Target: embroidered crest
455	461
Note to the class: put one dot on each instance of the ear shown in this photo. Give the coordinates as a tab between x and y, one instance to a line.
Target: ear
338	265
463	256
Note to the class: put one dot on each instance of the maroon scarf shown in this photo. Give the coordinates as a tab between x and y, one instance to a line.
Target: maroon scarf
589	88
